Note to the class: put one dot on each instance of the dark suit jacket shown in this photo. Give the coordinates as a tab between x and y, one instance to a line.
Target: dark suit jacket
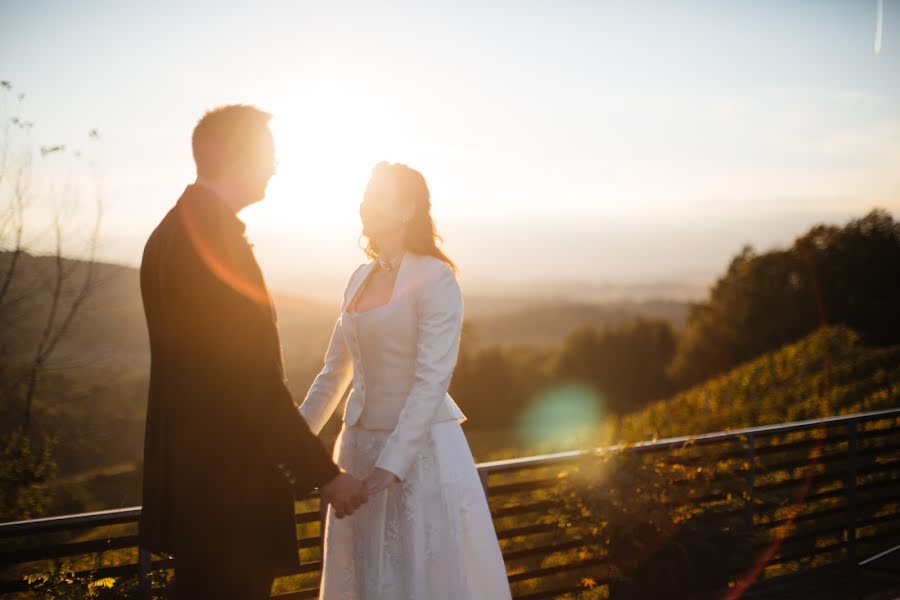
225	449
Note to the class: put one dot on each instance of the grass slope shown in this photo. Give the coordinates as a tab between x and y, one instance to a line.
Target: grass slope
829	372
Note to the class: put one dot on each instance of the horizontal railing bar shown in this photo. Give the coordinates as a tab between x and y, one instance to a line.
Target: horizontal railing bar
841	509
832	547
311	516
833	474
779	447
298	595
835	493
90	519
544	549
879	556
520	509
531	461
542	460
803	554
798	463
831	529
792	584
761	450
877	433
554	593
526	530
10	557
35	553
779	560
529	485
543	572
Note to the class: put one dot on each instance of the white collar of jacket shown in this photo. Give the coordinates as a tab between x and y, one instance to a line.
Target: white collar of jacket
401	284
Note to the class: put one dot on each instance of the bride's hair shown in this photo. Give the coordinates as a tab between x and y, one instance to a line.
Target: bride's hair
421	233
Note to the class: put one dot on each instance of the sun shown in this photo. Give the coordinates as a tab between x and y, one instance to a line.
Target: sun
327	139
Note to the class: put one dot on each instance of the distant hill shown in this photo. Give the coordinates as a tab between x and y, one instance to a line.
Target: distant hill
110	332
828	372
586	292
547	324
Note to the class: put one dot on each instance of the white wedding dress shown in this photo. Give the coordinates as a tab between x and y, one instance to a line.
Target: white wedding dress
429	536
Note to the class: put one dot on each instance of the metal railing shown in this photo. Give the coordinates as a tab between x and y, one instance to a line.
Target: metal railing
878	570
847	466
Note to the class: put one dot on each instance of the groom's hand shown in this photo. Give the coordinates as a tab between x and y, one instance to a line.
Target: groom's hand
345	493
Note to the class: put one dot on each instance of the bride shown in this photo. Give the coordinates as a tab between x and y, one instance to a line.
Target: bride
426	532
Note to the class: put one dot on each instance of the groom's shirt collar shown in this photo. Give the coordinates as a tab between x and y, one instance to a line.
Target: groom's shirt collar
216	205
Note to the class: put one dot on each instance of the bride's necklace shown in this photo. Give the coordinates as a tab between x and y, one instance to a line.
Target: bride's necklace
392	264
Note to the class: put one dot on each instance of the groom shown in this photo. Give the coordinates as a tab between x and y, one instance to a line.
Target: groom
225	449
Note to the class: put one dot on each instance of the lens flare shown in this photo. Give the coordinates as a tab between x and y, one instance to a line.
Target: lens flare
563	417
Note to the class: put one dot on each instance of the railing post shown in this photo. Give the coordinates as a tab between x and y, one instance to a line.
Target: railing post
145	563
751	468
323	511
852	516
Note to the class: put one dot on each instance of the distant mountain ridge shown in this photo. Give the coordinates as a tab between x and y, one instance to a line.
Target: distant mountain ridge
110	329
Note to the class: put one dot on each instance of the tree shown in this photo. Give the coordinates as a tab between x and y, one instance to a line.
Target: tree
57	295
626	365
830	275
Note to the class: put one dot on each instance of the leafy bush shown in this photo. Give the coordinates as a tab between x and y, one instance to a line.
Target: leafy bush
642	518
61	583
26	470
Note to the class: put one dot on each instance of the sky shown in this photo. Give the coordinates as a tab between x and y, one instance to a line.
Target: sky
562	141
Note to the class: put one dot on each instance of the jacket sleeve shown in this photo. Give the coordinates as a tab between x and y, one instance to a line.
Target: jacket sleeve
240	341
330	384
439	310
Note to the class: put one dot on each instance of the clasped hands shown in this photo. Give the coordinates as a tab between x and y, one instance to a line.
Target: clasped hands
346	493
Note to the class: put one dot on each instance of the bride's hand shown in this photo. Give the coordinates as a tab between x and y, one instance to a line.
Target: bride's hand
379	480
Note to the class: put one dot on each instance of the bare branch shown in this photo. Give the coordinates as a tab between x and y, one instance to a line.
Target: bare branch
40	355
87	285
54	279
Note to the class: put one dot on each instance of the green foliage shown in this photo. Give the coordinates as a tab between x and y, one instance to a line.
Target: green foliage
642	521
835	275
26	470
626	365
61	583
826	373
494	384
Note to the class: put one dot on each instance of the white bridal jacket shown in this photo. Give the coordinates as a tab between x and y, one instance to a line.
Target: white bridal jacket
402	385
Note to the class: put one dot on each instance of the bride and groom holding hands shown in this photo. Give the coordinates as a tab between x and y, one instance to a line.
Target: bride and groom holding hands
226	450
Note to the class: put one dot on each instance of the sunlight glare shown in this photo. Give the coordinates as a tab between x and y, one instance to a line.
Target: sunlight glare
327	138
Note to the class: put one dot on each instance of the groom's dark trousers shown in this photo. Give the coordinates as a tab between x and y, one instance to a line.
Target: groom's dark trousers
225	449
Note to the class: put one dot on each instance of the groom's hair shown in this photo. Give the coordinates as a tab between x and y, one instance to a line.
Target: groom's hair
227	134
